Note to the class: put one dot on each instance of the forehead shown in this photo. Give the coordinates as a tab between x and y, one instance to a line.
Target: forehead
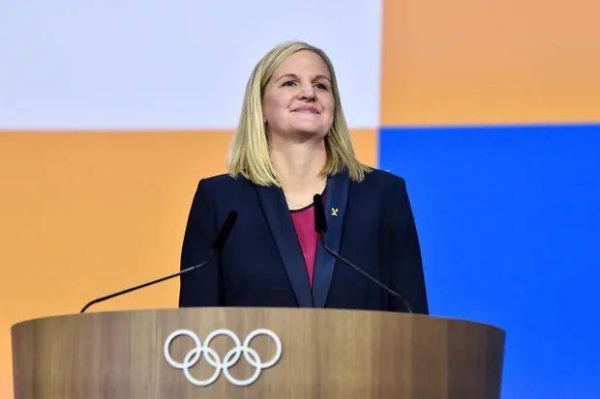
303	62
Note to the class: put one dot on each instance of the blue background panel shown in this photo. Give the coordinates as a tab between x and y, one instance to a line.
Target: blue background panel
509	223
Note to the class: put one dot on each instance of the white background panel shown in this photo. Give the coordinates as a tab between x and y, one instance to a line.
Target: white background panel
182	64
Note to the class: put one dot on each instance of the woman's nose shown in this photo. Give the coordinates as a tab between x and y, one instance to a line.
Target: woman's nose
307	92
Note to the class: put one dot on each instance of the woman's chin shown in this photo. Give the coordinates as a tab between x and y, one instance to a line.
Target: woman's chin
309	130
303	133
309	134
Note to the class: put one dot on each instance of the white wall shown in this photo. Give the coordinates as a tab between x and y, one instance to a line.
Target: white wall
181	64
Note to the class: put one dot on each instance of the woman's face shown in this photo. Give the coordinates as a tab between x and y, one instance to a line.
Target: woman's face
298	100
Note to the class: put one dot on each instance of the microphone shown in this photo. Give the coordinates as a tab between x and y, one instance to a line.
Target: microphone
321	227
217	245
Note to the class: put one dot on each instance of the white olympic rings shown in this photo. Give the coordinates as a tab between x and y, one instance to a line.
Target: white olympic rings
230	359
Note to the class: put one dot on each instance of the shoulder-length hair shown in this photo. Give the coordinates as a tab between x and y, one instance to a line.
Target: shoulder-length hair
249	150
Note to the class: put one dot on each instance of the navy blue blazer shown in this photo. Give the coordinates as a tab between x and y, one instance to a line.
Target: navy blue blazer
370	223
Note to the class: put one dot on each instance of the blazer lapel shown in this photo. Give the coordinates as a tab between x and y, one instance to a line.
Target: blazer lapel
280	222
336	197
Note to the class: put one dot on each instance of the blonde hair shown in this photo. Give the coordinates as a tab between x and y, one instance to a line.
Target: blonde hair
249	151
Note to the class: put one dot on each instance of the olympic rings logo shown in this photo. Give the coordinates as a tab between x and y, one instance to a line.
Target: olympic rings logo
230	359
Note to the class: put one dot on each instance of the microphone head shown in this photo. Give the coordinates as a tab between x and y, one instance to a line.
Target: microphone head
320	220
225	230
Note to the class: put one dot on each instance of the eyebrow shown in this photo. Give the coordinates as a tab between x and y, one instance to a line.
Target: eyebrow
293	75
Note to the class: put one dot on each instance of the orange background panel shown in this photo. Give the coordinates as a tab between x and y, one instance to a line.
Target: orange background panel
86	214
481	61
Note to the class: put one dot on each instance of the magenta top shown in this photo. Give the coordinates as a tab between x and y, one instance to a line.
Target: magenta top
304	223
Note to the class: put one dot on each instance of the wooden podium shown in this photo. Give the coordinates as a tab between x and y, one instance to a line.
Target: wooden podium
324	354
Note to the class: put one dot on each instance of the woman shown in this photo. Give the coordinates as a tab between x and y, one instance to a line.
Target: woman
291	143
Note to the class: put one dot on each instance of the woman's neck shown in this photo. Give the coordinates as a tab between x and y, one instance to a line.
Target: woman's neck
299	167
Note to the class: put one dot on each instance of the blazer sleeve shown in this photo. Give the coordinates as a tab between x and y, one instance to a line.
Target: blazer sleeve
202	286
406	268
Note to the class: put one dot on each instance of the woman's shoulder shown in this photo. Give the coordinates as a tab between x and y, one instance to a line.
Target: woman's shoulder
382	178
224	184
218	179
223	180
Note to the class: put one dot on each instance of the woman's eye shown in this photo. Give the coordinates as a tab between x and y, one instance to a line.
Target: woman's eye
289	83
321	86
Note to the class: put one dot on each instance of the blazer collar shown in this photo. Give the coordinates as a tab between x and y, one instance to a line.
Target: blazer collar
280	223
336	197
282	228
